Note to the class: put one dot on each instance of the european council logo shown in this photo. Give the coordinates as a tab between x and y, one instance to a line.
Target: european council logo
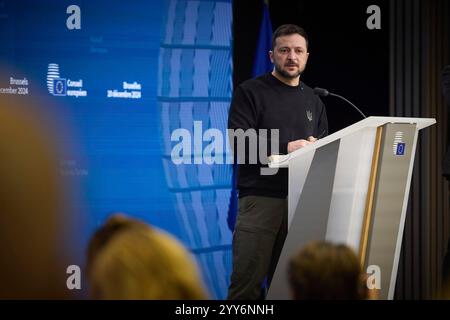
56	85
399	146
59	87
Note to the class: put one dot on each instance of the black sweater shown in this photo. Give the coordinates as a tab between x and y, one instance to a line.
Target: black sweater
267	103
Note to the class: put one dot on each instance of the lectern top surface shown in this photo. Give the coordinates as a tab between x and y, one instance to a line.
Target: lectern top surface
370	122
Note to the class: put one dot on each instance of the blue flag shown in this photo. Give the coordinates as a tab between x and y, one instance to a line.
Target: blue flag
261	65
262	62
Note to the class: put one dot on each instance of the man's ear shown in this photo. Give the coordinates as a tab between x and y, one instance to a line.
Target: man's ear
271	56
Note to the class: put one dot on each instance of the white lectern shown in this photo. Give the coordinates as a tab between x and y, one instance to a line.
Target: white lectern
352	187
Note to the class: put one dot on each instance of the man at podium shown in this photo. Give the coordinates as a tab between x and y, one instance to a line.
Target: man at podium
278	100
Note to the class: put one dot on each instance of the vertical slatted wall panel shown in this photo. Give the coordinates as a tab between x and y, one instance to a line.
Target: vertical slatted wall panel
419	49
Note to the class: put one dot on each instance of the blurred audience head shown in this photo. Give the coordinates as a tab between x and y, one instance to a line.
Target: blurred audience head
31	253
114	224
136	261
322	270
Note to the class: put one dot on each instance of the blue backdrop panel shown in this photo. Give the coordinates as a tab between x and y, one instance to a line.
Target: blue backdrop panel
130	75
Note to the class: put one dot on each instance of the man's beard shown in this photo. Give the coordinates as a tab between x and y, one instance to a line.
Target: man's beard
286	75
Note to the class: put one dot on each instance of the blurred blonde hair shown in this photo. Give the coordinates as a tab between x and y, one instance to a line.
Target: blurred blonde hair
113	225
145	263
31	262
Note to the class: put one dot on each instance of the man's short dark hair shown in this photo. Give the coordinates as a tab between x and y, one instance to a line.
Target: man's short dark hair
287	30
323	270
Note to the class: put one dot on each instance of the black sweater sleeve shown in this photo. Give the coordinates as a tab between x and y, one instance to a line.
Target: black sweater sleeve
244	115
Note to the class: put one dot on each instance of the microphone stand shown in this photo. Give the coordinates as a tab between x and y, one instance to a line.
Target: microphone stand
336	95
324	92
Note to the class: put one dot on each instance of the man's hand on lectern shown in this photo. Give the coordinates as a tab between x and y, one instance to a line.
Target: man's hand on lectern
297	144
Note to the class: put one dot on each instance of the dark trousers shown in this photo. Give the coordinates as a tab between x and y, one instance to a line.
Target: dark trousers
258	238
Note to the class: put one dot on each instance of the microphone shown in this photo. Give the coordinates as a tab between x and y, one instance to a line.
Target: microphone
324	92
